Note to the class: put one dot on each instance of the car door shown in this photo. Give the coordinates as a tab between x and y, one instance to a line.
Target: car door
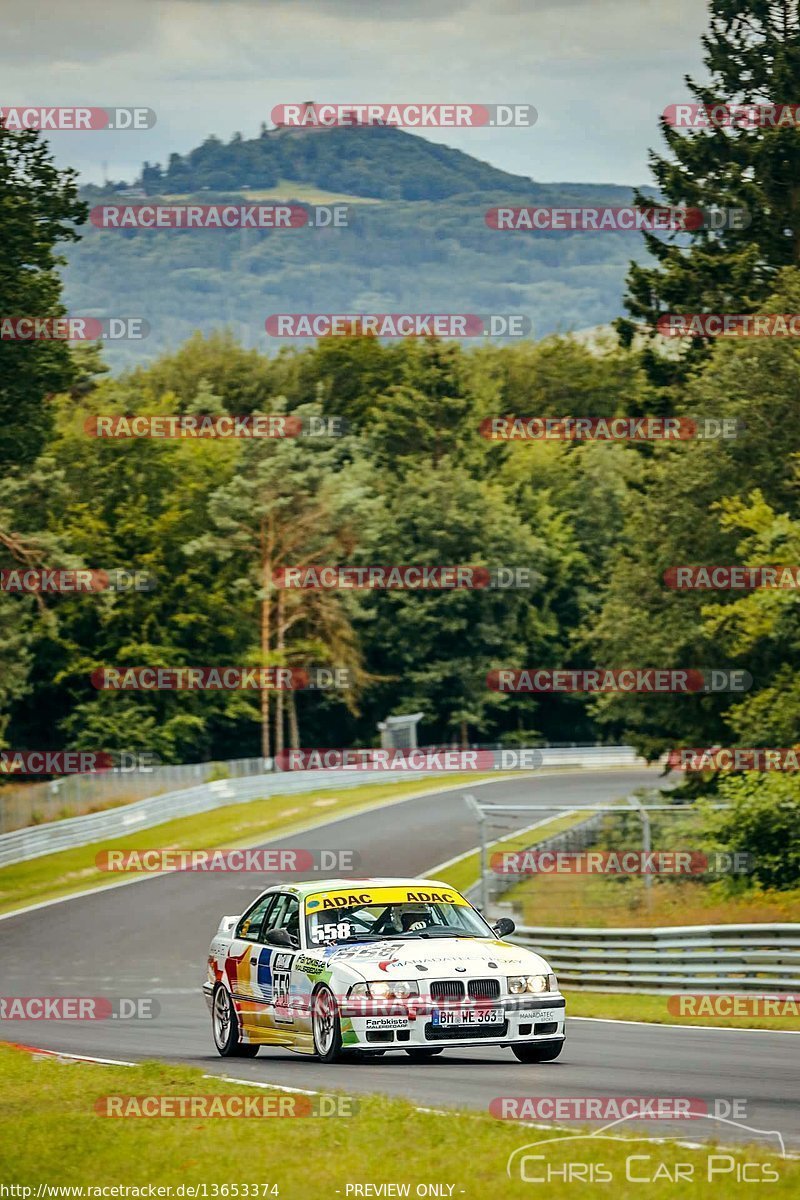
273	979
241	966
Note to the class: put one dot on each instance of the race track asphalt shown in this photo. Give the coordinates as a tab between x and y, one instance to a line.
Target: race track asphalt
151	939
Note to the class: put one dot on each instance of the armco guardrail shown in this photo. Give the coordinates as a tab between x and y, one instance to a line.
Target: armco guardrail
704	958
72	795
36	840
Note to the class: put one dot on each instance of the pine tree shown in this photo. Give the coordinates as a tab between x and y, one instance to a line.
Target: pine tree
752	52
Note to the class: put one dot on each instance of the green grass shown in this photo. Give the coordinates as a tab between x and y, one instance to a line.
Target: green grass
51	1134
602	901
633	1006
284	189
236	825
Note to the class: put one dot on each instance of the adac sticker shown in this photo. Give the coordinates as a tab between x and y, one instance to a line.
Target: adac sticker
385	895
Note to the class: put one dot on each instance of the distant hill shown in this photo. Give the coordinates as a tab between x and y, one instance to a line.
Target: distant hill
417	242
382	162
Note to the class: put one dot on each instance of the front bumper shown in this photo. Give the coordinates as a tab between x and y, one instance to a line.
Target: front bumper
413	1025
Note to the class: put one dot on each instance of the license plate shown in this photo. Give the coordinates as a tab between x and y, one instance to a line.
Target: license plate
466	1016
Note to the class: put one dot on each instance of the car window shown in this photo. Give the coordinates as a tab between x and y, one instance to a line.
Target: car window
285	915
251	923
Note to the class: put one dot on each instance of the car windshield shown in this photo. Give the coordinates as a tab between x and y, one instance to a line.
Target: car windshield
376	921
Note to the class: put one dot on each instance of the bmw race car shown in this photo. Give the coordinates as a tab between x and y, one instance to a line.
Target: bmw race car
328	967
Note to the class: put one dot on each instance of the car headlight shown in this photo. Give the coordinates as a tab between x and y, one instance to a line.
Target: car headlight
398	989
531	983
359	989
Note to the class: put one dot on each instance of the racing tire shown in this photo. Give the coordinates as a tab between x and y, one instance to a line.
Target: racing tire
422	1054
225	1025
326	1028
537	1052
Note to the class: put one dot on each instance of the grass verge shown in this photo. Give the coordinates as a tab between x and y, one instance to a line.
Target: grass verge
55	875
607	902
53	1135
635	1006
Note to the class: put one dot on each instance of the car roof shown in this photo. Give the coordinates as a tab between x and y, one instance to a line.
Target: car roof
308	887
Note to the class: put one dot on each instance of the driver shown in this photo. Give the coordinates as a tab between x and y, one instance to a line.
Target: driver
408	918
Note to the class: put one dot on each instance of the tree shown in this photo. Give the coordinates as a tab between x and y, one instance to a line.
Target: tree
287	504
39	208
752	52
693	507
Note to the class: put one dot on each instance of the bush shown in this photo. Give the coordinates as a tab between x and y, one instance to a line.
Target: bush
764	821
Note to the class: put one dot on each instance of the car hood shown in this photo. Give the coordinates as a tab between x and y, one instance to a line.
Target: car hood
437	959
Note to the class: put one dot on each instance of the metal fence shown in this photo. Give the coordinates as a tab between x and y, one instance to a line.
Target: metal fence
72	795
24	844
706	958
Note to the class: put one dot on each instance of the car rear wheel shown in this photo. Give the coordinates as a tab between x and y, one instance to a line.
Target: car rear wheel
536	1052
225	1024
421	1054
325	1025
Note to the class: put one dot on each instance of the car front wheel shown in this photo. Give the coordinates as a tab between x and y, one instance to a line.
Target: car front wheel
225	1023
326	1026
536	1052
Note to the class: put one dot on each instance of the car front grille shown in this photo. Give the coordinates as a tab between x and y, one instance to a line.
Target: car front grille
484	989
446	988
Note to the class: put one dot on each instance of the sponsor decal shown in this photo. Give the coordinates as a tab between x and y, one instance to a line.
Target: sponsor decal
382	895
309	966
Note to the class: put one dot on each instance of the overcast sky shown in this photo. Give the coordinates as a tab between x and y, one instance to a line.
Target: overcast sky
599	72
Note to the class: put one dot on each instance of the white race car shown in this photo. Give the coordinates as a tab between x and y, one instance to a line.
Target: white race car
327	967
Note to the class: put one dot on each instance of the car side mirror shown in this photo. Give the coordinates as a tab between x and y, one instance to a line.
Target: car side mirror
279	937
504	926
